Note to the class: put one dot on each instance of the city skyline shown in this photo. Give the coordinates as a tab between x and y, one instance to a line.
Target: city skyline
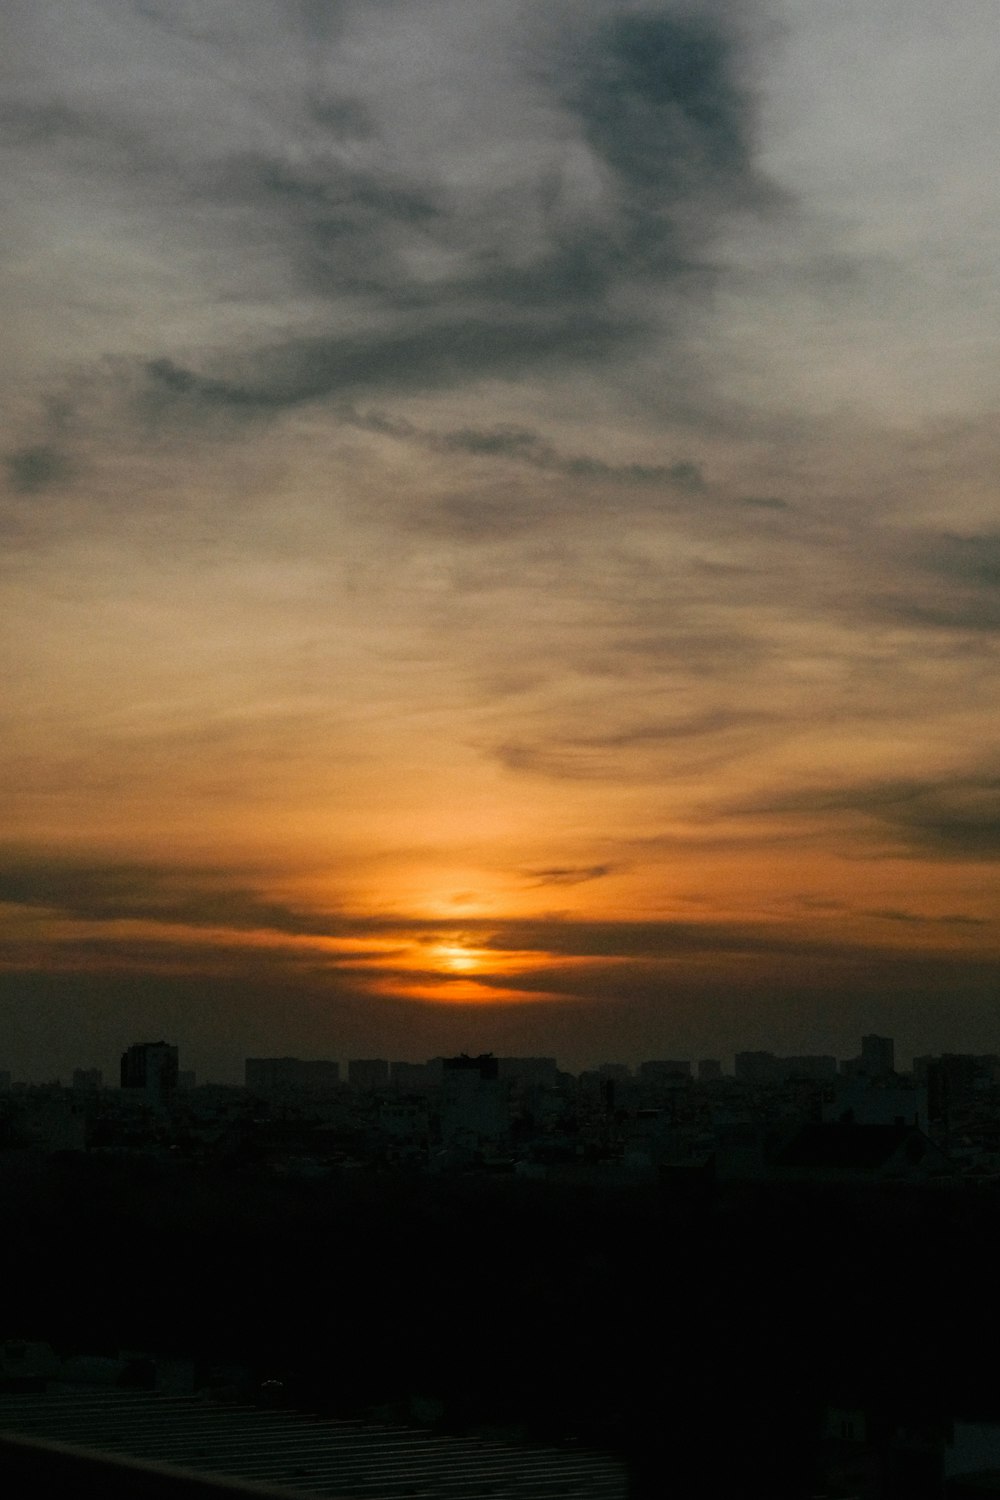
872	1056
500	538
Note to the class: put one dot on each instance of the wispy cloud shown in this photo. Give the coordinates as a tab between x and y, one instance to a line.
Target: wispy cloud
942	817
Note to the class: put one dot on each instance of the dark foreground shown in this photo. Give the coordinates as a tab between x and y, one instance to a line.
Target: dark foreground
705	1339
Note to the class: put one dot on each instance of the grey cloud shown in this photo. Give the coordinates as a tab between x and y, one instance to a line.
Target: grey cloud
764	502
971	559
569	874
344	118
663	102
23	123
952	919
958	586
659	103
343	225
526	446
598	756
92	892
944	818
585	939
434	354
37	467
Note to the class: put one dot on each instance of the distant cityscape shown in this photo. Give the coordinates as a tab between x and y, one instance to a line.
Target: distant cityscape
784	1117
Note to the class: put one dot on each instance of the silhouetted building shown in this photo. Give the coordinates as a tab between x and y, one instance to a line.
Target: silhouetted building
878	1056
415	1078
819	1067
277	1075
663	1072
757	1067
861	1101
542	1072
88	1079
474	1108
151	1067
709	1068
368	1073
951	1083
5	1082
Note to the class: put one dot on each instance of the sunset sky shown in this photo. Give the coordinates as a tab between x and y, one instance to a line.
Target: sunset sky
500	528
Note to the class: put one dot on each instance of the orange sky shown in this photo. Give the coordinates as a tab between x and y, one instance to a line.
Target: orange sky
500	529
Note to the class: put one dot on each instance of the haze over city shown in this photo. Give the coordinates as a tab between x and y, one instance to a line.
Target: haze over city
500	541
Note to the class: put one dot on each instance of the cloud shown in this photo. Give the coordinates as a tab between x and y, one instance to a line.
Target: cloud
954	818
950	919
569	874
709	737
38	467
524	445
621	147
663	102
114	892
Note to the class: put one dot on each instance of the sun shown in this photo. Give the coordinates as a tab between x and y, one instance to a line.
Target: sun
456	959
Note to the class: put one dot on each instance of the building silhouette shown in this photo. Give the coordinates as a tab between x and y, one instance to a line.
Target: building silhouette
152	1068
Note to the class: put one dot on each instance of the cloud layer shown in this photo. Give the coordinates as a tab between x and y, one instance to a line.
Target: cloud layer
469	458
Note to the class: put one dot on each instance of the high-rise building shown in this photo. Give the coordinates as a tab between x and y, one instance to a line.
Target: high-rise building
530	1071
88	1079
709	1068
368	1073
474	1106
415	1078
151	1067
757	1067
878	1056
277	1075
664	1071
815	1067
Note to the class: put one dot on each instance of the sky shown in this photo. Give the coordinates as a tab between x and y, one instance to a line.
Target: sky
500	541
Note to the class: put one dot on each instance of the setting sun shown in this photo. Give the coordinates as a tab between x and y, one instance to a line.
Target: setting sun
458	959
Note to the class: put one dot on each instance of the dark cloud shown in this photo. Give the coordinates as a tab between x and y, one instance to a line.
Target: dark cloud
434	353
662	100
106	892
526	446
951	919
569	874
653	940
970	559
588	756
943	818
764	502
25	123
666	115
38	467
956	587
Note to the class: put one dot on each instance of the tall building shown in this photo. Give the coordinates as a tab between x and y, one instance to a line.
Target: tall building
151	1067
368	1073
709	1068
664	1071
278	1075
540	1071
88	1079
878	1056
757	1067
416	1078
816	1067
474	1105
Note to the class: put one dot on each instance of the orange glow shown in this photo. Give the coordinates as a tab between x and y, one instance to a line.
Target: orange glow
458	960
